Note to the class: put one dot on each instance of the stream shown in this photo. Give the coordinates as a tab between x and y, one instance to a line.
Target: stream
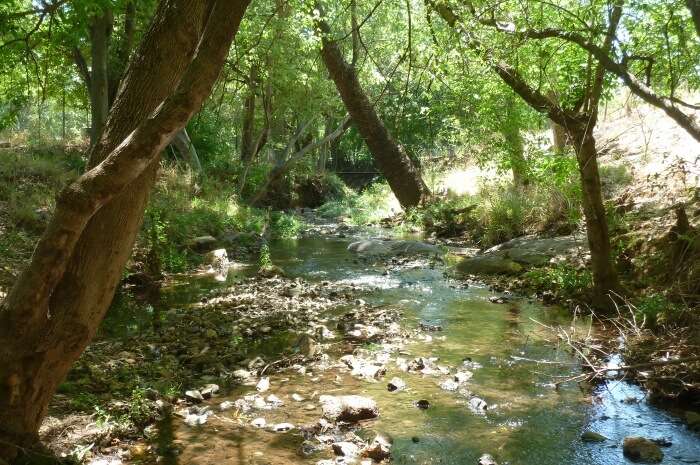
527	421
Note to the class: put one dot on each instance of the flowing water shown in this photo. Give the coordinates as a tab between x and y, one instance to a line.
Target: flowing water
528	421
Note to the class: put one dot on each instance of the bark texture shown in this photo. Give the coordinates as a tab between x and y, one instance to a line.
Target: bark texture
57	303
397	167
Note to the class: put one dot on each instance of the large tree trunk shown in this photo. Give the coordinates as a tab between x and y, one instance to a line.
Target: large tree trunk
99	79
559	137
516	154
515	146
604	275
403	176
248	125
57	303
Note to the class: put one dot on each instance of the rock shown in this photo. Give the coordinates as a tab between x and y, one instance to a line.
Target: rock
209	390
217	259
274	400
259	422
270	271
196	419
226	405
307	346
429	327
414	248
297	397
592	436
346	449
641	450
534	251
291	291
260	404
370	247
263	385
693	420
488	264
234	238
203	243
422	404
463	376
494	299
242	374
487	459
378	450
396	384
282	427
374	247
257	362
348	408
194	395
476	404
449	385
417	364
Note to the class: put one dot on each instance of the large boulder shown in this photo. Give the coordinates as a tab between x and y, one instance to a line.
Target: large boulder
514	256
375	247
203	244
370	247
533	251
488	264
348	408
641	450
217	259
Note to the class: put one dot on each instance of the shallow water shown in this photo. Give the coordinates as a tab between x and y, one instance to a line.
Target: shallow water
527	422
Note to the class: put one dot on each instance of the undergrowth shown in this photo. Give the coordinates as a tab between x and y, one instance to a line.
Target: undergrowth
371	205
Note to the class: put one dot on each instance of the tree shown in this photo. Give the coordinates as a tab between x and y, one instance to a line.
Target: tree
397	167
579	122
53	310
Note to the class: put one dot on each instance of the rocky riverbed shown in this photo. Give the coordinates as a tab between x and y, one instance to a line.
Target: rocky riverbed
348	358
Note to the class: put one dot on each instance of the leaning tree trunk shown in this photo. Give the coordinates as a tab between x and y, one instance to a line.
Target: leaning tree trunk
184	146
57	303
604	275
403	176
99	78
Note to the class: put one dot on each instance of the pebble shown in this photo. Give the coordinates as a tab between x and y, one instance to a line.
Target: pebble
396	385
226	405
422	404
259	422
194	395
263	385
282	427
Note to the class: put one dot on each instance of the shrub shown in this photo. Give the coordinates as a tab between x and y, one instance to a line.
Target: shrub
657	310
567	281
374	203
